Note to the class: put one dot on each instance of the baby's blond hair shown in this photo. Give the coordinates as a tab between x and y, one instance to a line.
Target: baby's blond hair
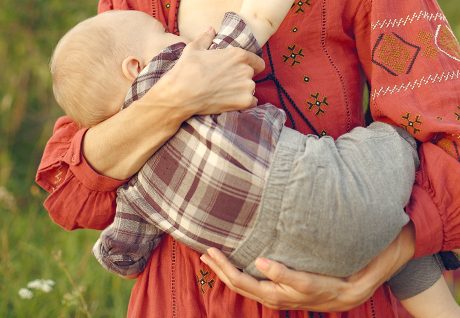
86	66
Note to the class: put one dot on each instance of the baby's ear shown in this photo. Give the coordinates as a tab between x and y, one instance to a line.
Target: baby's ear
131	67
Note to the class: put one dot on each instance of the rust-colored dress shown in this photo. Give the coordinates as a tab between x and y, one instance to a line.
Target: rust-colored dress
317	64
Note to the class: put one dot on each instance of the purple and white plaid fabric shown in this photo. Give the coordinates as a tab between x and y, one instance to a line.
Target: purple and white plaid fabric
205	184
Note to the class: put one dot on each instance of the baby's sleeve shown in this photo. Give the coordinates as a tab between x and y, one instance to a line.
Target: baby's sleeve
125	246
235	32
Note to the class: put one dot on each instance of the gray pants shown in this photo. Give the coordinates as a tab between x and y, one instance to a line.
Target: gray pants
330	206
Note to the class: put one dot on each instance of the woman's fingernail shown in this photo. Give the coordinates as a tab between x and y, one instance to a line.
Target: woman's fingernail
203	258
263	263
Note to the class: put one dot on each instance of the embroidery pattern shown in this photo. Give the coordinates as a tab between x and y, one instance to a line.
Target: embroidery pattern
458	114
422	15
203	281
411	124
168	5
299	5
306	79
293	56
58	177
447	43
394	54
317	105
323	133
425	80
426	41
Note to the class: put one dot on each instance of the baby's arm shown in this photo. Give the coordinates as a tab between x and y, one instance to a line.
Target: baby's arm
264	17
126	245
436	301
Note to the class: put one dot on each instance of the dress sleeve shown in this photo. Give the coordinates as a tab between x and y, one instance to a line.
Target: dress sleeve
78	197
411	59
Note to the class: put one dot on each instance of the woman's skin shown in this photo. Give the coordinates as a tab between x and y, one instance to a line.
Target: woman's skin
206	82
202	82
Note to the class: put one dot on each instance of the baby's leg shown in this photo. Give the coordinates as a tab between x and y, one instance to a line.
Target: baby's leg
331	206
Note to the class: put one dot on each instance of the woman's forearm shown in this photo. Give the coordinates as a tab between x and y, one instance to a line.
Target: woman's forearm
119	146
201	82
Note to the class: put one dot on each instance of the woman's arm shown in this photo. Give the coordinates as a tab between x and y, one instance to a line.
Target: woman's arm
202	82
437	301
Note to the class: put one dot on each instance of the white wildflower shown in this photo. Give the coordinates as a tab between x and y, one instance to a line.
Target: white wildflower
25	293
45	285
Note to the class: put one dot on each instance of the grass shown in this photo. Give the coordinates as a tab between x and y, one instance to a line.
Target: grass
31	246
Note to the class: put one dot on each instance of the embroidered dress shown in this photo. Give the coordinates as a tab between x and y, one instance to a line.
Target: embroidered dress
341	39
231	181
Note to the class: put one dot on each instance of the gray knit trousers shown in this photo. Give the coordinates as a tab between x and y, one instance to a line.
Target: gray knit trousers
330	206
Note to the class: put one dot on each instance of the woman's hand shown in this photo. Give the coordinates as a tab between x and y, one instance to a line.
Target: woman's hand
289	289
213	81
201	82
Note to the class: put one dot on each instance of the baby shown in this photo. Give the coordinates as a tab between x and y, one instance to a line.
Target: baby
239	181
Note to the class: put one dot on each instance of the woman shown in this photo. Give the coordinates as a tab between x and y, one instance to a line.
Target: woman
313	71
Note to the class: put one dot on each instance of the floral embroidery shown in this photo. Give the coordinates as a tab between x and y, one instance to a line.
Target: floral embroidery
458	114
394	54
316	104
411	124
299	5
294	56
204	282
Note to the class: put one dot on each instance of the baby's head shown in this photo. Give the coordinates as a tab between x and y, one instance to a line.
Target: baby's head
95	63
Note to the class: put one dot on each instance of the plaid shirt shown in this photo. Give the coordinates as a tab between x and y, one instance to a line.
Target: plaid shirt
205	184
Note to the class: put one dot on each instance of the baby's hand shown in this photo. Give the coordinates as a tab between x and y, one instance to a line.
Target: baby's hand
264	17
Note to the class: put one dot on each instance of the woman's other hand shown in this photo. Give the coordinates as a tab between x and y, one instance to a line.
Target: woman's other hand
290	289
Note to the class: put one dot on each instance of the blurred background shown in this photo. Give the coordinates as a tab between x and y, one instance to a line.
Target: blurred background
45	271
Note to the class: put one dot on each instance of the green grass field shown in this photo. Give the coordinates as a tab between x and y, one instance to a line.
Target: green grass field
31	246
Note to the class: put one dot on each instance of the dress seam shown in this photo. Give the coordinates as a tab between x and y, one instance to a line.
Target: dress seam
331	62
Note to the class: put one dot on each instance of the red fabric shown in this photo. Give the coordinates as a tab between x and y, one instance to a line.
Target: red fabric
65	173
411	61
